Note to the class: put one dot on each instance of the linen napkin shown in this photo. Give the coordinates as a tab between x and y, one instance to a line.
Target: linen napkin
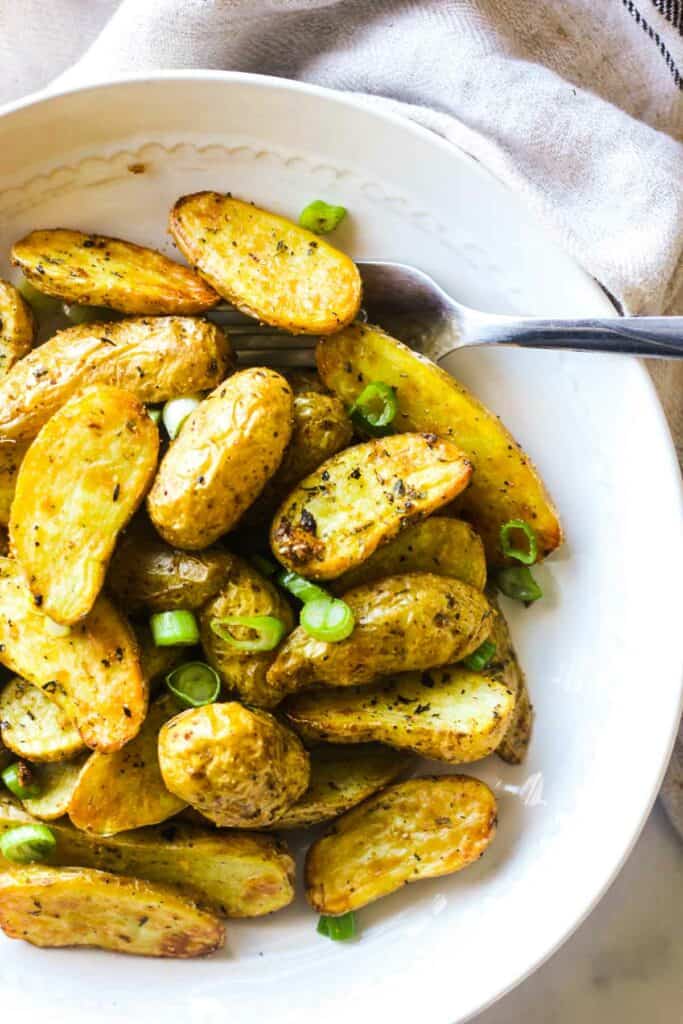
576	104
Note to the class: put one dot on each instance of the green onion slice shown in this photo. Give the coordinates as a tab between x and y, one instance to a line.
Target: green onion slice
40	303
174	629
374	411
264	565
300	587
27	843
263	632
526	555
338	928
176	411
320	217
479	659
88	314
518	583
20	780
328	619
154	413
194	684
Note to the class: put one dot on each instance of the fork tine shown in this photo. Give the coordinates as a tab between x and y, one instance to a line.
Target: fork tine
273	342
286	359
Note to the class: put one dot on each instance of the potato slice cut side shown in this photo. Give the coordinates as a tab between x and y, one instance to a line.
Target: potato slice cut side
34	727
17	327
505	667
11	457
57	782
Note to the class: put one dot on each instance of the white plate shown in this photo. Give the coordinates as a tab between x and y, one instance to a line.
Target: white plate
602	651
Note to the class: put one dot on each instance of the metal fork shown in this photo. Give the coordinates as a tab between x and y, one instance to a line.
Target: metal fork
408	303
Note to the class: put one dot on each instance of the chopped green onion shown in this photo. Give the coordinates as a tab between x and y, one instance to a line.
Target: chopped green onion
479	659
264	565
320	217
338	928
20	780
87	314
300	587
528	556
328	619
194	684
154	413
176	411
518	583
266	631
27	843
40	303
174	629
375	409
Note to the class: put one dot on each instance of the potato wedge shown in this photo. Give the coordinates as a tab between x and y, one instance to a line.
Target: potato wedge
244	593
236	873
506	669
155	359
79	484
99	271
450	714
91	670
124	790
505	484
417	829
361	498
17	327
81	907
217	466
11	456
33	726
444	546
57	782
265	265
414	621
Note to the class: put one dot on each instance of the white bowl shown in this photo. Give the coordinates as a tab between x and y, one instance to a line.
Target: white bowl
602	650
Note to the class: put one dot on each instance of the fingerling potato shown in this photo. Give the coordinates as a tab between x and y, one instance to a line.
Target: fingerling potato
361	498
11	455
422	828
81	907
412	621
505	485
57	782
217	466
265	265
99	271
79	484
155	661
17	327
505	667
33	726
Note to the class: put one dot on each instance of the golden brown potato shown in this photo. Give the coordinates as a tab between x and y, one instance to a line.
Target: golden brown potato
505	484
98	271
245	593
450	714
303	381
446	547
82	907
217	466
417	829
91	670
33	726
236	873
155	359
57	783
156	661
11	456
124	790
4	544
363	497
238	767
265	265
17	327
79	484
414	621
506	669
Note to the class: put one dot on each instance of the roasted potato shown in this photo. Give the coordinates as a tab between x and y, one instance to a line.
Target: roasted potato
98	271
504	485
81	907
155	359
17	327
33	726
238	767
363	497
265	265
417	829
446	547
124	790
413	621
4	550
506	669
79	484
91	670
245	593
450	714
156	661
57	782
11	456
236	873
217	466
304	381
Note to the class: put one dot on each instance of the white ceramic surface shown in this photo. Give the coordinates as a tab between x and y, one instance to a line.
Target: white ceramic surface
602	650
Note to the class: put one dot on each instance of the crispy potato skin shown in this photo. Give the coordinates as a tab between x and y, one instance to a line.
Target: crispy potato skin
444	546
505	485
417	829
57	783
244	593
82	907
79	484
99	271
238	874
217	466
92	671
265	265
238	767
17	327
154	358
11	456
361	498
33	726
412	621
449	714
506	668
